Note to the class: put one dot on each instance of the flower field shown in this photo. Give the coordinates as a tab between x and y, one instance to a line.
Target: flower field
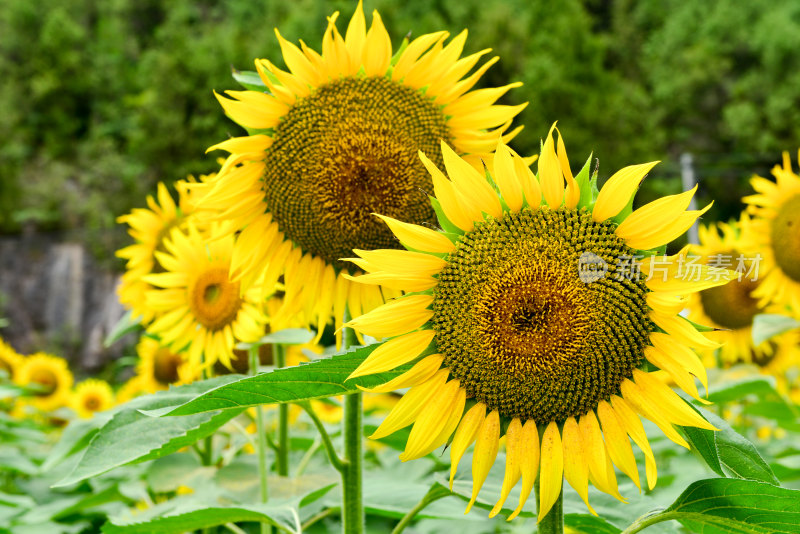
381	309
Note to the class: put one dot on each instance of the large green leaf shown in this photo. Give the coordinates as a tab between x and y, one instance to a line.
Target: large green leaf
288	336
132	436
321	378
589	524
731	506
767	326
728	453
734	390
205	510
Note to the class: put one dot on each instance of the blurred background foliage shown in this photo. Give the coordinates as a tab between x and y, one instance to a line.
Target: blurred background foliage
100	100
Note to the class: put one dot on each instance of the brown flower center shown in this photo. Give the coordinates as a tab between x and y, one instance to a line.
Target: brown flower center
214	299
785	233
524	331
346	151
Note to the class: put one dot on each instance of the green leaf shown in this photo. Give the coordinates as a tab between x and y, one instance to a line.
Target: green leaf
735	390
321	378
249	80
132	436
589	524
289	336
732	506
126	325
198	511
785	414
767	326
446	224
728	453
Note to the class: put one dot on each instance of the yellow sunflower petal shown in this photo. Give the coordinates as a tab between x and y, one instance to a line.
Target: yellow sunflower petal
418	237
395	317
618	190
410	405
513	463
506	178
633	426
419	373
529	463
465	435
552	469
394	353
617	444
550	175
431	421
576	466
487	444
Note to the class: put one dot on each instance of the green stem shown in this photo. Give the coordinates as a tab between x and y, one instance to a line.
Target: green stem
282	457
207	453
261	441
553	522
650	518
352	505
336	462
352	491
433	495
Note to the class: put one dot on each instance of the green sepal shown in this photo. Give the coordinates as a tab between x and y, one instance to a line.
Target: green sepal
250	80
444	222
769	325
126	325
588	193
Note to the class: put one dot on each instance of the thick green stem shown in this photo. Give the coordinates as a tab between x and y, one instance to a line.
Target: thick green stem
553	522
352	505
282	458
352	491
261	441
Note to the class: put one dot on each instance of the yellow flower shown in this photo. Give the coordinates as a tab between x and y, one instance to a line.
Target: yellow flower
730	308
334	139
159	367
10	361
149	228
199	309
774	235
52	376
92	396
531	305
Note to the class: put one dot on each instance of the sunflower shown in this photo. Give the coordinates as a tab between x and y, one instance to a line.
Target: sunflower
776	211
730	308
10	361
148	228
334	139
52	377
199	309
92	396
159	367
537	306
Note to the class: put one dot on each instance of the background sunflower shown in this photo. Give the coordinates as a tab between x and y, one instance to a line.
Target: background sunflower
333	139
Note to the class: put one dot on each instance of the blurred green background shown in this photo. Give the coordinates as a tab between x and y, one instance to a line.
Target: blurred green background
100	100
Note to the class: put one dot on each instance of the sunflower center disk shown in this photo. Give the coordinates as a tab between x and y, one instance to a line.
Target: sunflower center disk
214	300
346	151
786	238
91	403
524	331
45	378
165	366
731	306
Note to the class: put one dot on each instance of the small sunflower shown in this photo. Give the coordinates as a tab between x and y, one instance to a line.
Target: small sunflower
199	309
52	376
334	139
10	361
730	308
159	368
92	396
149	227
776	217
537	306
